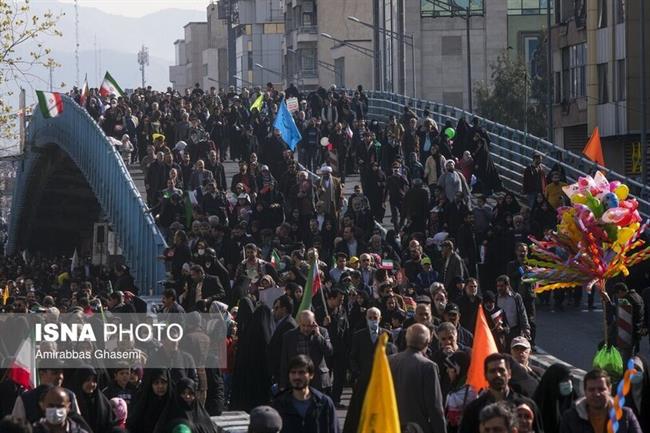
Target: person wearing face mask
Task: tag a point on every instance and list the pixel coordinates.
(417, 384)
(58, 416)
(554, 396)
(361, 357)
(639, 397)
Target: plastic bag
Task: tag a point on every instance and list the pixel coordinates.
(609, 359)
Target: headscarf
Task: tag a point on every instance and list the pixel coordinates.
(95, 408)
(547, 396)
(147, 406)
(178, 409)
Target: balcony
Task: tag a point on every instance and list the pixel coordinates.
(306, 34)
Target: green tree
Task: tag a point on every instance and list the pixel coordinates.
(509, 98)
(22, 49)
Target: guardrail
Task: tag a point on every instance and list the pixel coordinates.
(76, 133)
(512, 150)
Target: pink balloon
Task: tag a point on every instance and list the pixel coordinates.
(613, 185)
(615, 215)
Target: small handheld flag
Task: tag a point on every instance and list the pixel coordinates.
(50, 103)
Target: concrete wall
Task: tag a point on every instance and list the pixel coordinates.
(442, 75)
(196, 41)
(217, 54)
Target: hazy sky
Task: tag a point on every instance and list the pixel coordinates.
(137, 8)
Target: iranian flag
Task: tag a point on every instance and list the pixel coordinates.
(23, 369)
(311, 287)
(110, 87)
(84, 92)
(50, 103)
(275, 258)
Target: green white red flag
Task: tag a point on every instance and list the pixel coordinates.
(110, 87)
(23, 369)
(275, 258)
(312, 287)
(50, 103)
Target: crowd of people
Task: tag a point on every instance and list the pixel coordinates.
(247, 247)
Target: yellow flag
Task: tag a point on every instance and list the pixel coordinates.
(258, 103)
(5, 295)
(379, 413)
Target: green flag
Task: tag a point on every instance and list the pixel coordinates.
(258, 103)
(311, 287)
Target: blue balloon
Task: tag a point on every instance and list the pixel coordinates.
(610, 201)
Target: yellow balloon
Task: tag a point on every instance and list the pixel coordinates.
(624, 235)
(579, 198)
(622, 191)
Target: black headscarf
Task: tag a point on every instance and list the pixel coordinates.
(177, 409)
(547, 396)
(95, 408)
(147, 406)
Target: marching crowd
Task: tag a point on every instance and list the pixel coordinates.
(252, 247)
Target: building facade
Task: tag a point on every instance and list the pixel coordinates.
(312, 60)
(439, 29)
(596, 65)
(259, 35)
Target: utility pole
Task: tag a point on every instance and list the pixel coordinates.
(549, 73)
(76, 35)
(379, 85)
(232, 55)
(642, 78)
(143, 60)
(469, 60)
(401, 48)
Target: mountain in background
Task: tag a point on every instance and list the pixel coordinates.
(118, 39)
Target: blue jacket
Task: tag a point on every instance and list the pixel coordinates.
(320, 417)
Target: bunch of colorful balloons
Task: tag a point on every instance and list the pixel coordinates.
(597, 237)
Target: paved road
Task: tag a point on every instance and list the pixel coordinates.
(571, 335)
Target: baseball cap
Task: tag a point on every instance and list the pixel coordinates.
(353, 260)
(264, 419)
(426, 261)
(520, 341)
(451, 308)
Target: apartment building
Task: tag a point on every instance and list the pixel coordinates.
(596, 65)
(311, 59)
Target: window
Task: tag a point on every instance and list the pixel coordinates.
(273, 28)
(308, 60)
(603, 94)
(566, 67)
(577, 71)
(205, 69)
(443, 8)
(339, 68)
(566, 9)
(620, 79)
(452, 45)
(602, 14)
(527, 7)
(531, 43)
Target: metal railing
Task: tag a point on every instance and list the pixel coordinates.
(77, 134)
(512, 150)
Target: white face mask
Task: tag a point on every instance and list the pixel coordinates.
(201, 251)
(55, 415)
(566, 388)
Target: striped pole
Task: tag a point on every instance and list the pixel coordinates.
(624, 327)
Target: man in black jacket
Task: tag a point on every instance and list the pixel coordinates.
(303, 408)
(282, 309)
(498, 374)
(203, 287)
(308, 339)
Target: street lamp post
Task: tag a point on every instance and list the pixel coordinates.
(358, 48)
(642, 124)
(453, 6)
(402, 37)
